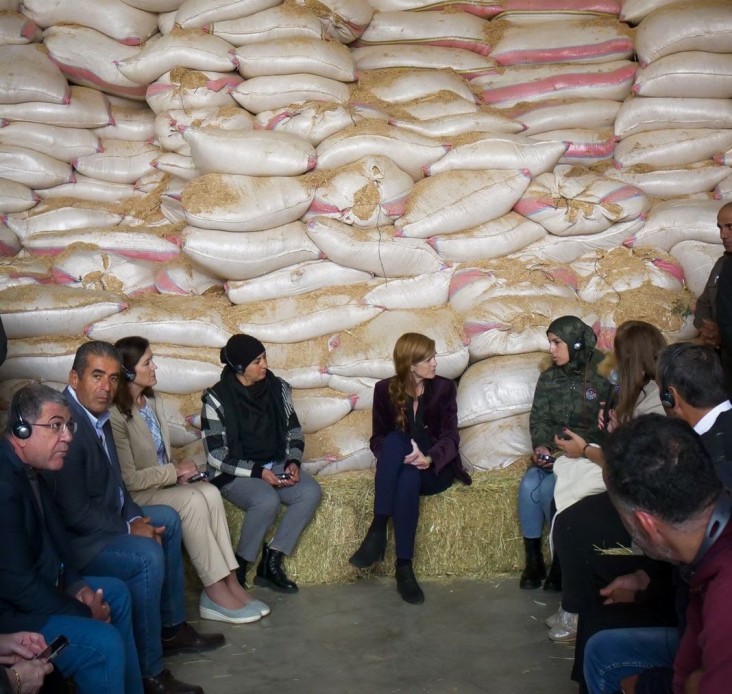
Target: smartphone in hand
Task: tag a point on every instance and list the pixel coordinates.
(53, 649)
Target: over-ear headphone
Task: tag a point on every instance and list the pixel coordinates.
(577, 345)
(238, 368)
(666, 396)
(21, 429)
(129, 374)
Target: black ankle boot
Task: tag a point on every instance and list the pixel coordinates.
(371, 550)
(535, 571)
(271, 574)
(241, 572)
(554, 579)
(407, 584)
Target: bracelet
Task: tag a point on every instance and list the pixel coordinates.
(584, 450)
(18, 684)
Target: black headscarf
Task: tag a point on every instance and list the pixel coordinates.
(579, 338)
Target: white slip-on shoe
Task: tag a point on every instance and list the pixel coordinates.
(208, 609)
(261, 606)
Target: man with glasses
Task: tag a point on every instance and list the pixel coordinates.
(40, 591)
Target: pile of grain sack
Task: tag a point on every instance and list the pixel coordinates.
(326, 175)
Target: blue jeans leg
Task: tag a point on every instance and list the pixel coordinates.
(172, 604)
(140, 563)
(614, 654)
(535, 495)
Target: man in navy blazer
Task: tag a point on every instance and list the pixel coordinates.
(40, 590)
(111, 535)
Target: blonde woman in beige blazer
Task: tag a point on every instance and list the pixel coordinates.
(142, 440)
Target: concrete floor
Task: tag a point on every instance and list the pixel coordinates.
(468, 637)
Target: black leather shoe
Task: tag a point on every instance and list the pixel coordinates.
(241, 572)
(535, 571)
(371, 550)
(270, 573)
(407, 585)
(165, 683)
(188, 640)
(553, 581)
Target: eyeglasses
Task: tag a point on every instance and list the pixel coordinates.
(58, 427)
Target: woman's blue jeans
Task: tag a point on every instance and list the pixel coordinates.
(535, 496)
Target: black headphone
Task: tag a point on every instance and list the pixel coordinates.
(238, 368)
(129, 374)
(666, 396)
(21, 429)
(577, 345)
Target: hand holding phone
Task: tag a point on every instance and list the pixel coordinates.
(283, 476)
(198, 477)
(53, 649)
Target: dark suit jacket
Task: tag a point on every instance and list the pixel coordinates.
(440, 419)
(33, 553)
(89, 490)
(718, 442)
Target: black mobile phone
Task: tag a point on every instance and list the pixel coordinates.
(53, 649)
(283, 476)
(198, 477)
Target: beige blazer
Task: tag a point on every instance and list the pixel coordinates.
(138, 459)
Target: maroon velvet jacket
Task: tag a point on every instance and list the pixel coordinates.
(440, 418)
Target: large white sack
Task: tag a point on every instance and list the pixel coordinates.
(32, 168)
(248, 152)
(450, 29)
(367, 350)
(371, 192)
(181, 279)
(723, 189)
(641, 114)
(169, 125)
(480, 8)
(586, 146)
(342, 20)
(296, 55)
(89, 58)
(86, 108)
(64, 144)
(459, 124)
(16, 197)
(24, 267)
(247, 255)
(685, 75)
(697, 258)
(278, 91)
(493, 239)
(497, 444)
(160, 324)
(42, 219)
(409, 151)
(459, 200)
(565, 249)
(400, 86)
(498, 387)
(155, 5)
(673, 221)
(300, 318)
(699, 25)
(294, 280)
(182, 375)
(372, 250)
(670, 183)
(438, 106)
(314, 121)
(180, 167)
(28, 74)
(341, 447)
(317, 411)
(198, 13)
(542, 116)
(633, 11)
(38, 362)
(9, 247)
(280, 22)
(184, 89)
(129, 242)
(360, 387)
(672, 147)
(465, 63)
(185, 48)
(89, 269)
(16, 28)
(423, 291)
(568, 204)
(114, 18)
(40, 310)
(301, 365)
(557, 9)
(119, 161)
(92, 189)
(579, 41)
(134, 123)
(612, 80)
(230, 202)
(501, 152)
(180, 413)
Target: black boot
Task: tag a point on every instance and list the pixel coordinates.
(535, 571)
(554, 579)
(407, 584)
(271, 574)
(371, 550)
(241, 572)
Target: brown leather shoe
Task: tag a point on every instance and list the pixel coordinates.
(188, 640)
(165, 683)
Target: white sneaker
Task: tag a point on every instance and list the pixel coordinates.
(566, 629)
(553, 620)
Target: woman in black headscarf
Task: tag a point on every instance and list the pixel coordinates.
(254, 446)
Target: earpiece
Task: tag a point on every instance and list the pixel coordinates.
(666, 396)
(238, 368)
(21, 429)
(129, 374)
(577, 345)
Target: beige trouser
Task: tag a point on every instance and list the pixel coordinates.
(203, 521)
